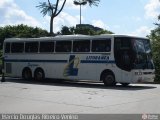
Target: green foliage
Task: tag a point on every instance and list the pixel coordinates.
(46, 8)
(104, 32)
(155, 41)
(66, 30)
(80, 2)
(82, 30)
(93, 2)
(20, 31)
(84, 2)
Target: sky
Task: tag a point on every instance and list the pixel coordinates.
(134, 17)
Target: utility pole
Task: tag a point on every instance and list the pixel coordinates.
(3, 76)
(80, 3)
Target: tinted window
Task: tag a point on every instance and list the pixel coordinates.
(123, 53)
(147, 46)
(123, 43)
(17, 47)
(81, 46)
(139, 46)
(31, 47)
(7, 47)
(63, 46)
(101, 45)
(46, 46)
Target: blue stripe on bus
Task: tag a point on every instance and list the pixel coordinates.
(57, 61)
(22, 60)
(96, 61)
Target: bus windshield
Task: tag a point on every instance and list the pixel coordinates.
(142, 54)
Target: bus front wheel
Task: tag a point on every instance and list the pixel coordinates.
(108, 79)
(27, 74)
(39, 74)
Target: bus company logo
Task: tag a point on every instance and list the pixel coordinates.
(97, 58)
(71, 69)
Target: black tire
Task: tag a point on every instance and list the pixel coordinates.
(124, 84)
(27, 74)
(39, 75)
(108, 79)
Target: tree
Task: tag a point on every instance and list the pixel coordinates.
(52, 10)
(82, 30)
(66, 30)
(155, 41)
(158, 24)
(84, 2)
(20, 31)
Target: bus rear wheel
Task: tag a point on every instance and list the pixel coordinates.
(39, 74)
(108, 79)
(27, 74)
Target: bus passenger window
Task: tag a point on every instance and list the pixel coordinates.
(81, 46)
(31, 47)
(7, 47)
(63, 46)
(17, 47)
(101, 45)
(46, 46)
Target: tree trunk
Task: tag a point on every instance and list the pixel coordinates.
(51, 26)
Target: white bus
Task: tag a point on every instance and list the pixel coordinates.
(108, 58)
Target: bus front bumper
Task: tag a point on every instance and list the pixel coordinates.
(143, 76)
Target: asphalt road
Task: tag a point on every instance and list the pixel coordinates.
(19, 96)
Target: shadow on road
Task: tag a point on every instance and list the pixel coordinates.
(81, 84)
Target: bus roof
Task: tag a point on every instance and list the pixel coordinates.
(120, 35)
(69, 37)
(58, 37)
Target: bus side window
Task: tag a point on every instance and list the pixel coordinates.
(63, 46)
(31, 47)
(81, 46)
(17, 47)
(7, 47)
(46, 46)
(101, 45)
